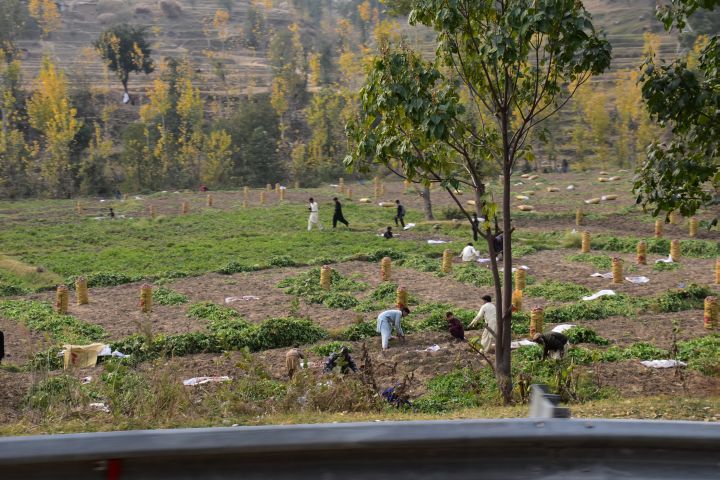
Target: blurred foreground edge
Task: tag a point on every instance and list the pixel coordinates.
(542, 447)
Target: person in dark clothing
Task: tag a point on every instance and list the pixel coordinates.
(565, 165)
(388, 233)
(340, 359)
(475, 226)
(393, 397)
(2, 346)
(498, 243)
(338, 215)
(551, 342)
(118, 195)
(400, 214)
(112, 213)
(455, 327)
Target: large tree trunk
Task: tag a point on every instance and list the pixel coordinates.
(427, 203)
(504, 309)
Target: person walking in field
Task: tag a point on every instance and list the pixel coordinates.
(389, 320)
(399, 214)
(293, 359)
(314, 218)
(338, 215)
(488, 313)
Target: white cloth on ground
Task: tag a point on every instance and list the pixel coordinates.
(663, 363)
(204, 380)
(665, 260)
(245, 298)
(606, 276)
(436, 242)
(563, 327)
(409, 226)
(639, 279)
(601, 293)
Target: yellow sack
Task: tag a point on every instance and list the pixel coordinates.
(82, 356)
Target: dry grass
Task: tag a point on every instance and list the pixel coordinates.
(646, 408)
(28, 274)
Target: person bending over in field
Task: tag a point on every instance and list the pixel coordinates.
(340, 359)
(388, 233)
(293, 359)
(455, 327)
(469, 253)
(552, 342)
(388, 320)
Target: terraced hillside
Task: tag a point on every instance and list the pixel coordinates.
(192, 35)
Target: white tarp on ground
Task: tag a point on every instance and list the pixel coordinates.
(601, 293)
(563, 327)
(409, 226)
(639, 279)
(431, 349)
(665, 260)
(522, 267)
(204, 380)
(606, 276)
(521, 343)
(435, 242)
(663, 363)
(245, 298)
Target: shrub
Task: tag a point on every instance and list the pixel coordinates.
(420, 263)
(343, 301)
(702, 353)
(601, 262)
(236, 267)
(307, 286)
(377, 255)
(41, 317)
(457, 389)
(571, 240)
(7, 290)
(661, 246)
(170, 8)
(665, 267)
(326, 349)
(165, 296)
(644, 351)
(603, 307)
(283, 332)
(359, 331)
(557, 291)
(385, 292)
(452, 213)
(282, 261)
(106, 279)
(585, 335)
(212, 311)
(59, 390)
(520, 323)
(693, 296)
(474, 275)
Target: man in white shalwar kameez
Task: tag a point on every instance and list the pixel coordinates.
(488, 313)
(314, 218)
